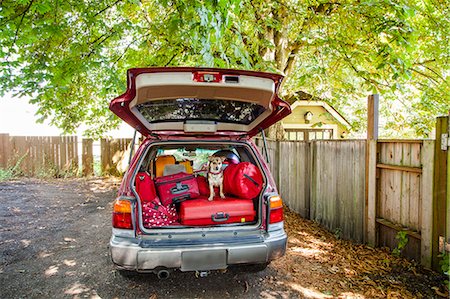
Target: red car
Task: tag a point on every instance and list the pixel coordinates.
(162, 218)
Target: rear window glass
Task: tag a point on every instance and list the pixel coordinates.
(200, 109)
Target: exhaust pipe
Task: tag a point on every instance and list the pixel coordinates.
(163, 274)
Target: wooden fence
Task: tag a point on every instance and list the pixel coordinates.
(323, 181)
(404, 195)
(55, 156)
(114, 155)
(363, 190)
(369, 191)
(40, 155)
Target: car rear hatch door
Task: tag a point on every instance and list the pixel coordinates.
(200, 101)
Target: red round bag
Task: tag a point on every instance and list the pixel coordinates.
(243, 180)
(203, 186)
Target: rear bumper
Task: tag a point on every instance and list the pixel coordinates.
(127, 254)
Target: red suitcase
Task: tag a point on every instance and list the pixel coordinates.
(176, 188)
(200, 211)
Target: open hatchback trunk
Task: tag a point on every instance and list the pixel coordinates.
(173, 190)
(200, 101)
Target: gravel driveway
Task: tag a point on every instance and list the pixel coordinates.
(54, 244)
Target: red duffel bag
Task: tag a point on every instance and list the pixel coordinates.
(203, 186)
(146, 188)
(176, 188)
(243, 180)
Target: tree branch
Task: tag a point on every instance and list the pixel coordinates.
(358, 72)
(291, 61)
(106, 8)
(425, 75)
(436, 73)
(20, 24)
(125, 51)
(99, 43)
(171, 58)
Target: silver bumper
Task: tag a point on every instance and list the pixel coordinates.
(127, 254)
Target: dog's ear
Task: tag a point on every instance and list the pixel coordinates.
(223, 158)
(211, 158)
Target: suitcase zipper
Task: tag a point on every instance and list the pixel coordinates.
(175, 180)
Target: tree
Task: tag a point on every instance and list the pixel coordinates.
(71, 58)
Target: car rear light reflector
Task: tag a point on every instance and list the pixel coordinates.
(276, 202)
(209, 77)
(122, 214)
(276, 215)
(276, 209)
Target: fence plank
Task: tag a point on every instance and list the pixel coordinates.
(427, 203)
(4, 150)
(87, 159)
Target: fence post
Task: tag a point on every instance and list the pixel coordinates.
(371, 169)
(87, 157)
(104, 156)
(440, 206)
(4, 150)
(426, 230)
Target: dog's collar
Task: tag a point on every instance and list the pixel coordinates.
(212, 172)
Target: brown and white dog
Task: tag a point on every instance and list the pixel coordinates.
(215, 175)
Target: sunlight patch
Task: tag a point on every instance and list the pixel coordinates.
(309, 293)
(52, 270)
(70, 263)
(350, 295)
(45, 254)
(25, 243)
(76, 289)
(306, 252)
(80, 289)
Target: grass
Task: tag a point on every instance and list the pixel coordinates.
(12, 171)
(6, 174)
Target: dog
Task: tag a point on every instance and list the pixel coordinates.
(215, 175)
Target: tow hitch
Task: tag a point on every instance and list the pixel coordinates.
(201, 274)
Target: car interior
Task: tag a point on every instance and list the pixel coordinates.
(189, 162)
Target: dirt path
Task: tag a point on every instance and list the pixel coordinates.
(54, 237)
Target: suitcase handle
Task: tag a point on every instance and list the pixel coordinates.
(220, 217)
(181, 198)
(179, 189)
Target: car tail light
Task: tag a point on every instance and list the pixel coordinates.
(122, 214)
(209, 77)
(276, 209)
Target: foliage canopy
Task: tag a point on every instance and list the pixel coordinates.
(70, 57)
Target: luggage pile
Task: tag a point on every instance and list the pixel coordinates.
(182, 198)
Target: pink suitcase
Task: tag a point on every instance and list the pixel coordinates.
(176, 188)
